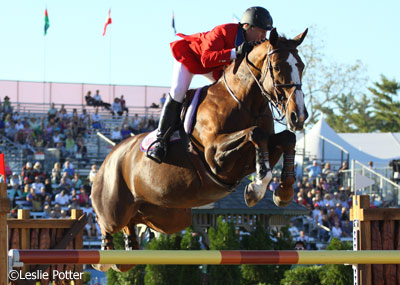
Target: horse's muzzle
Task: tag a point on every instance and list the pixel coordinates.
(296, 122)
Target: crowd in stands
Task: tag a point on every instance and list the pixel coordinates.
(323, 192)
(53, 194)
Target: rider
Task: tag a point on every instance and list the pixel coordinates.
(206, 53)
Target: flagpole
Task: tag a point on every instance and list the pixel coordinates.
(109, 66)
(44, 70)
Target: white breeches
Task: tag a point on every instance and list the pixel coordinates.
(181, 78)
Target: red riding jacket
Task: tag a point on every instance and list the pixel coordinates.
(210, 51)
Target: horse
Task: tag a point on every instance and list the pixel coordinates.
(233, 136)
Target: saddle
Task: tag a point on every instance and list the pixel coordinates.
(183, 133)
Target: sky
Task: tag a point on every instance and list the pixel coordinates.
(135, 50)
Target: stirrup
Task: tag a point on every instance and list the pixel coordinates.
(149, 150)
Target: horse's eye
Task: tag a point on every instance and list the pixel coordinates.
(276, 68)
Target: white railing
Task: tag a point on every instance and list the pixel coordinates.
(385, 188)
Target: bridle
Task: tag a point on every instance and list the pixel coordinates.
(267, 95)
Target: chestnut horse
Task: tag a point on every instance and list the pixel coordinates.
(233, 136)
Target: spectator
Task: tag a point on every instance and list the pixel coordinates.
(97, 99)
(81, 150)
(92, 173)
(56, 173)
(15, 180)
(340, 174)
(123, 105)
(83, 197)
(68, 169)
(47, 211)
(116, 107)
(62, 198)
(27, 172)
(300, 245)
(37, 170)
(19, 125)
(91, 229)
(11, 131)
(125, 132)
(347, 229)
(37, 185)
(96, 119)
(294, 231)
(57, 211)
(336, 230)
(7, 108)
(116, 135)
(274, 184)
(313, 170)
(163, 99)
(151, 124)
(52, 113)
(64, 185)
(371, 165)
(316, 214)
(89, 99)
(16, 116)
(48, 187)
(70, 145)
(303, 237)
(76, 181)
(134, 124)
(87, 209)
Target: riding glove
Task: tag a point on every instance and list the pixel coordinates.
(244, 48)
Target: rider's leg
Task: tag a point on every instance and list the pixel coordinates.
(181, 78)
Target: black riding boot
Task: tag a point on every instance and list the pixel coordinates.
(168, 122)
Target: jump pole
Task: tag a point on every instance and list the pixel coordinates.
(185, 257)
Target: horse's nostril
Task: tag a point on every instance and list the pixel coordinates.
(293, 117)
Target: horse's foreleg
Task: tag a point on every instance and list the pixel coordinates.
(228, 150)
(285, 143)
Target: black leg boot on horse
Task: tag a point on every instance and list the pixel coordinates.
(169, 121)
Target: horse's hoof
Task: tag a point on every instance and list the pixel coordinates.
(122, 267)
(283, 197)
(101, 267)
(253, 193)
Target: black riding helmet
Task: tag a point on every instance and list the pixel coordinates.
(257, 16)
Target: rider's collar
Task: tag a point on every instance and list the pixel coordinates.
(239, 36)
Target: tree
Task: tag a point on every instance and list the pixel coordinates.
(386, 107)
(190, 274)
(134, 276)
(163, 274)
(339, 274)
(259, 239)
(325, 81)
(224, 238)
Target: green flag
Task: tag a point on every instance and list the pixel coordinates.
(46, 22)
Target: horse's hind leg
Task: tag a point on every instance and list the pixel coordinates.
(131, 243)
(284, 142)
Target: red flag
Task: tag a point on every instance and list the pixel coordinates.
(2, 168)
(108, 21)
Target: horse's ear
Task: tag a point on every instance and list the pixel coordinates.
(273, 36)
(299, 38)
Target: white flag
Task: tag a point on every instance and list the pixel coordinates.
(362, 181)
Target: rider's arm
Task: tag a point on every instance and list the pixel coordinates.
(217, 46)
